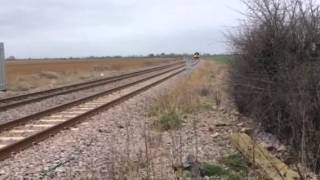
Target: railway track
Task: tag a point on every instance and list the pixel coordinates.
(24, 132)
(12, 102)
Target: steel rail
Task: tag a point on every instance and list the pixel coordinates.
(15, 101)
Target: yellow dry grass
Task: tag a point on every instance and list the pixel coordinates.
(31, 74)
(201, 89)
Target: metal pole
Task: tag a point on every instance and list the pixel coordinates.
(2, 68)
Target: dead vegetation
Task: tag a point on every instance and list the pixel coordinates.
(48, 79)
(189, 95)
(28, 74)
(275, 79)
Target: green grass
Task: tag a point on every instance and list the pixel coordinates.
(232, 167)
(236, 163)
(169, 121)
(222, 58)
(214, 171)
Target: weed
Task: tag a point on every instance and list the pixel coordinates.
(208, 169)
(214, 171)
(236, 163)
(169, 121)
(232, 167)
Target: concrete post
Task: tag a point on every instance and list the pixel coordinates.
(2, 68)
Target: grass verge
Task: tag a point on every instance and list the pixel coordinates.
(222, 58)
(201, 90)
(192, 93)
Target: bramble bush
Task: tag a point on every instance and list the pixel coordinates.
(275, 79)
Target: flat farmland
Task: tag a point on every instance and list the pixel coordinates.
(24, 75)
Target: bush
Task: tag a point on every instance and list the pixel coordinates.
(214, 171)
(169, 121)
(275, 77)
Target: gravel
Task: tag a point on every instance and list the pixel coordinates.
(119, 143)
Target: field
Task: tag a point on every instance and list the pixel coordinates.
(222, 58)
(23, 75)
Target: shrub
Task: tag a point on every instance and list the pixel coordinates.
(236, 163)
(217, 172)
(275, 77)
(169, 121)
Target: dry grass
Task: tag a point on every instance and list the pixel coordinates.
(192, 93)
(48, 79)
(30, 74)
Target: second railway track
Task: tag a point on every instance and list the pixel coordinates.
(12, 102)
(22, 133)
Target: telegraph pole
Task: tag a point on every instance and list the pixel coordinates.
(2, 68)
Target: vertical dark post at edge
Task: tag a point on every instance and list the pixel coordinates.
(2, 68)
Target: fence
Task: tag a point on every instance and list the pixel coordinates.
(2, 68)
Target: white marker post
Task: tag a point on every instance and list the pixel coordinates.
(2, 68)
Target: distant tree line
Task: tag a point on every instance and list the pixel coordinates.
(151, 55)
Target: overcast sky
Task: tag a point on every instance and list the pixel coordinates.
(63, 28)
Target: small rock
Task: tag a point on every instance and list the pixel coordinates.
(103, 131)
(248, 131)
(236, 113)
(211, 129)
(120, 126)
(60, 169)
(269, 147)
(215, 135)
(189, 161)
(2, 172)
(240, 124)
(281, 148)
(222, 124)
